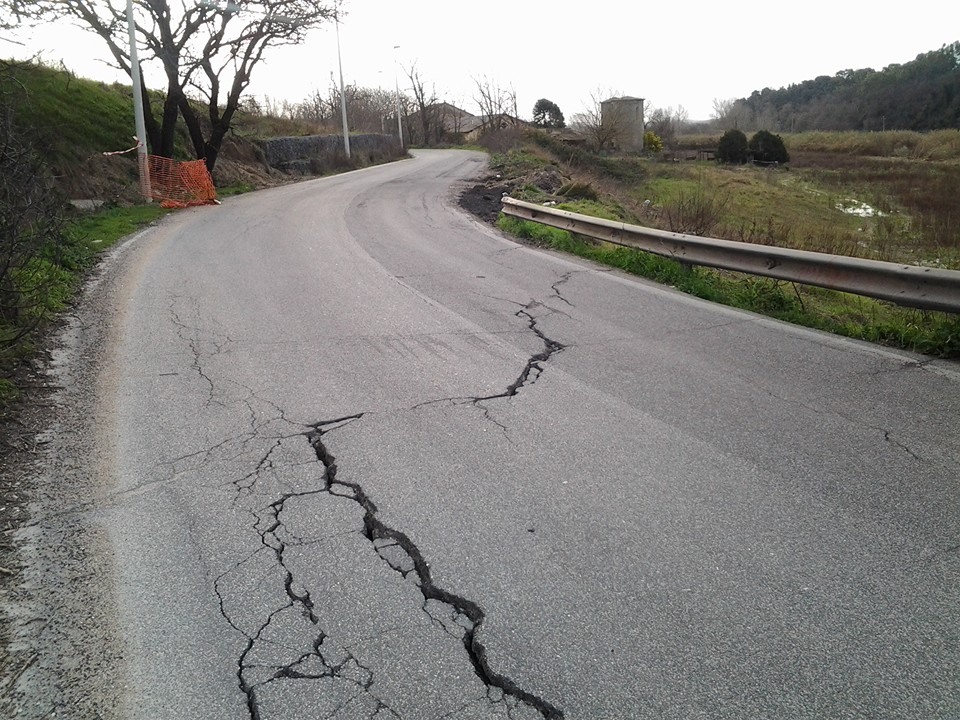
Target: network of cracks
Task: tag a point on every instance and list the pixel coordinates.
(294, 645)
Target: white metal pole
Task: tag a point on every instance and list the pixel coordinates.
(138, 106)
(396, 85)
(343, 97)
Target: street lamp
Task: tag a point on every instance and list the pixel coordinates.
(138, 106)
(396, 85)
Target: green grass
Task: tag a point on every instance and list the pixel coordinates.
(238, 189)
(93, 233)
(803, 207)
(57, 275)
(72, 117)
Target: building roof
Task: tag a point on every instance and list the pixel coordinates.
(457, 120)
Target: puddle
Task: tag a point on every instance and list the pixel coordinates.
(860, 209)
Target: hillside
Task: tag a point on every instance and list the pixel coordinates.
(74, 121)
(920, 95)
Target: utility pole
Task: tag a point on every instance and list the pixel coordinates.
(138, 107)
(396, 85)
(343, 97)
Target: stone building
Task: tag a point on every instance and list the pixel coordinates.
(623, 117)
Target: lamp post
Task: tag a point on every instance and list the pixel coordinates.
(343, 97)
(396, 85)
(138, 106)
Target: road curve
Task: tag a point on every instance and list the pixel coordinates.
(355, 455)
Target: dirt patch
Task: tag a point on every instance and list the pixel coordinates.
(484, 200)
(241, 162)
(105, 178)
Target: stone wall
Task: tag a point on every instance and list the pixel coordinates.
(305, 154)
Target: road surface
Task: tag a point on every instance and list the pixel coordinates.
(347, 453)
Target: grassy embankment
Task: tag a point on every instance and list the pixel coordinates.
(886, 196)
(68, 122)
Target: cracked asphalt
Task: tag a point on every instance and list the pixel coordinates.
(338, 450)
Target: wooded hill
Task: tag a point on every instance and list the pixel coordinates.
(920, 95)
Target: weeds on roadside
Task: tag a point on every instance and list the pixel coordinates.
(54, 276)
(695, 213)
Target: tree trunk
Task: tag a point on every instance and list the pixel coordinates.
(192, 122)
(214, 144)
(150, 122)
(169, 127)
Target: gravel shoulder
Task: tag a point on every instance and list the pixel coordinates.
(56, 605)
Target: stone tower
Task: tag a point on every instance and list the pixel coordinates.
(624, 116)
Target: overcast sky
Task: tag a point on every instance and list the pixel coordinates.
(672, 54)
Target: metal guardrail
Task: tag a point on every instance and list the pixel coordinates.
(909, 285)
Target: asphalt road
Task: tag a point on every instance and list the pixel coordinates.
(354, 455)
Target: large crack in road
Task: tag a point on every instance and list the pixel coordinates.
(534, 365)
(325, 659)
(402, 554)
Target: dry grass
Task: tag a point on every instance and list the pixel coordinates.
(885, 196)
(918, 215)
(936, 145)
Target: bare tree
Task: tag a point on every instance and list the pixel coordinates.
(208, 47)
(665, 123)
(425, 101)
(722, 108)
(497, 105)
(9, 16)
(370, 109)
(317, 108)
(602, 128)
(730, 114)
(367, 108)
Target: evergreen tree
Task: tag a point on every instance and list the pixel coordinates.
(768, 148)
(732, 147)
(546, 114)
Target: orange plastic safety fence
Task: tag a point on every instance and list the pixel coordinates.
(179, 184)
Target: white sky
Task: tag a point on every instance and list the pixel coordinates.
(671, 55)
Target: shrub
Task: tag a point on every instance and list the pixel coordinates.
(31, 239)
(652, 142)
(768, 148)
(732, 147)
(695, 213)
(578, 190)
